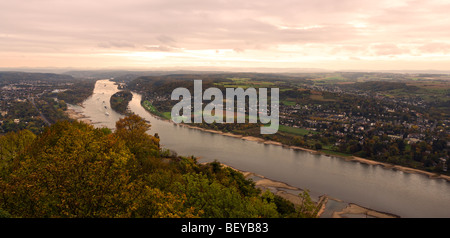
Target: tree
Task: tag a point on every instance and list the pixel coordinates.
(307, 208)
(318, 146)
(215, 200)
(71, 170)
(74, 170)
(133, 130)
(12, 144)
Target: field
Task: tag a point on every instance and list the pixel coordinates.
(428, 90)
(167, 115)
(295, 131)
(317, 97)
(149, 107)
(245, 83)
(288, 103)
(431, 84)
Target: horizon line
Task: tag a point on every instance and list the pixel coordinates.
(217, 69)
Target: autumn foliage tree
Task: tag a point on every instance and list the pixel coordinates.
(75, 170)
(133, 130)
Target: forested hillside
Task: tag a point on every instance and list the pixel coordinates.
(75, 170)
(13, 77)
(78, 92)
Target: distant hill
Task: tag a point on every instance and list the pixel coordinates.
(25, 76)
(185, 80)
(380, 86)
(127, 75)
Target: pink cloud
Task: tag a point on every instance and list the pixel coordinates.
(348, 28)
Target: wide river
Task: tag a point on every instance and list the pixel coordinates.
(371, 186)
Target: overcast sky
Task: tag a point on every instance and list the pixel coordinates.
(144, 34)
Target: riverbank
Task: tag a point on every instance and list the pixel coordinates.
(74, 115)
(400, 168)
(350, 158)
(328, 207)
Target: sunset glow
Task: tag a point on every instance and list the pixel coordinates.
(337, 35)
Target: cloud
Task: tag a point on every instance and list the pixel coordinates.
(435, 47)
(389, 49)
(166, 40)
(159, 48)
(116, 44)
(249, 29)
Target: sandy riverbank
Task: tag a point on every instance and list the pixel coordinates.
(355, 211)
(348, 158)
(290, 193)
(249, 138)
(72, 114)
(352, 209)
(400, 168)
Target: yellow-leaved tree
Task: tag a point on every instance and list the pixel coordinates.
(75, 170)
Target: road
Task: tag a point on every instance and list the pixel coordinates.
(40, 113)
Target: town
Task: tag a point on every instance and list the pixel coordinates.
(32, 100)
(399, 121)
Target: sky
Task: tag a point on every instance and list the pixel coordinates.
(225, 34)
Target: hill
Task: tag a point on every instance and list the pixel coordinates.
(11, 77)
(75, 170)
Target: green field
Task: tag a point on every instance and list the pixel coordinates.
(295, 131)
(167, 115)
(245, 83)
(288, 103)
(321, 98)
(149, 107)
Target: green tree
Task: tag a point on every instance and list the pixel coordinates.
(307, 208)
(218, 201)
(318, 146)
(133, 130)
(74, 170)
(71, 170)
(12, 144)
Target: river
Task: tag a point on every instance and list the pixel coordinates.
(372, 186)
